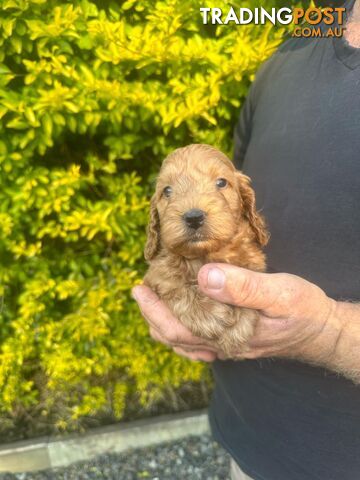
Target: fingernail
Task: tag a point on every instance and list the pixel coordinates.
(215, 279)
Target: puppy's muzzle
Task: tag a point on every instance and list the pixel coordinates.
(194, 218)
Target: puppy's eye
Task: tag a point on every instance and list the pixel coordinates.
(167, 191)
(221, 182)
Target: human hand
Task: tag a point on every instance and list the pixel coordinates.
(165, 328)
(297, 319)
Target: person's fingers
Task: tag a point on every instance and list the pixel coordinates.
(152, 308)
(184, 351)
(155, 335)
(197, 355)
(210, 350)
(160, 318)
(274, 294)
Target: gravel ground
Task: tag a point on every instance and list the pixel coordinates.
(193, 458)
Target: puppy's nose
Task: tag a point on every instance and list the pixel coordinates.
(194, 218)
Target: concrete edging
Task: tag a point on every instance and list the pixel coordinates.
(44, 453)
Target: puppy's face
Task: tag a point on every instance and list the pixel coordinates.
(198, 204)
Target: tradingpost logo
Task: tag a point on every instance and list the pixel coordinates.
(306, 21)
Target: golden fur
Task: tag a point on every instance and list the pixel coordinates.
(233, 232)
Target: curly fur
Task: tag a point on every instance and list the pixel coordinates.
(233, 232)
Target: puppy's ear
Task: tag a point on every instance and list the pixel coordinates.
(153, 231)
(256, 221)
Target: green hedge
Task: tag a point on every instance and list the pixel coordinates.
(92, 97)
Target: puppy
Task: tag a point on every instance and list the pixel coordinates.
(203, 210)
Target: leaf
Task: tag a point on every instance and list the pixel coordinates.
(17, 123)
(93, 96)
(47, 124)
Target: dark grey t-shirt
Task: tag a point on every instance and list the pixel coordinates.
(298, 138)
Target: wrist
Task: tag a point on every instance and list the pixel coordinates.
(337, 345)
(344, 357)
(322, 348)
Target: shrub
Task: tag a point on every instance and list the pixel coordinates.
(92, 97)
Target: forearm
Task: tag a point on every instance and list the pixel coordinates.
(338, 346)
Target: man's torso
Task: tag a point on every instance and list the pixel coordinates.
(282, 420)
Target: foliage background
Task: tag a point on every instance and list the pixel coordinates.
(93, 95)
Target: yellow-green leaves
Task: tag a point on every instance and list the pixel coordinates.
(93, 95)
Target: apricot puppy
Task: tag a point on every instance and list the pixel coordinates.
(203, 210)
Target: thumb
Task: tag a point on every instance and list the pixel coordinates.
(274, 294)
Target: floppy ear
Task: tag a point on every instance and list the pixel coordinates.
(153, 232)
(256, 221)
